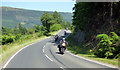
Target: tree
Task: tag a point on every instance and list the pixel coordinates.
(37, 28)
(6, 31)
(46, 20)
(57, 17)
(81, 14)
(43, 30)
(49, 20)
(68, 25)
(23, 30)
(63, 24)
(30, 31)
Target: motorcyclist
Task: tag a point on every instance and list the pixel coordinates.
(61, 44)
(56, 37)
(63, 41)
(65, 32)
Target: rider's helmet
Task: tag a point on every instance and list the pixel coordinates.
(56, 35)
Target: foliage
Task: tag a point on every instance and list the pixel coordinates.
(7, 39)
(19, 33)
(95, 19)
(63, 25)
(50, 21)
(30, 31)
(22, 30)
(18, 36)
(37, 28)
(57, 17)
(68, 25)
(47, 20)
(95, 15)
(107, 47)
(55, 27)
(115, 37)
(81, 14)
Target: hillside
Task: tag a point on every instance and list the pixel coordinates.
(28, 18)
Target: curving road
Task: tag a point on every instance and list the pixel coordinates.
(45, 54)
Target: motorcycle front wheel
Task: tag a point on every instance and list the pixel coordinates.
(62, 50)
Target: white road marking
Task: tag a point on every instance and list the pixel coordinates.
(49, 58)
(62, 68)
(43, 50)
(19, 51)
(91, 60)
(15, 55)
(44, 47)
(47, 55)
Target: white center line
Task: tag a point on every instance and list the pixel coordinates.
(43, 47)
(43, 50)
(61, 67)
(48, 57)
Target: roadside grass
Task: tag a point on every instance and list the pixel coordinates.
(81, 50)
(6, 51)
(108, 61)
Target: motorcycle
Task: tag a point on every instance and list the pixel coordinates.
(62, 48)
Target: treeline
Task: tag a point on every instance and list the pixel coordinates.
(100, 23)
(50, 23)
(97, 17)
(20, 33)
(54, 21)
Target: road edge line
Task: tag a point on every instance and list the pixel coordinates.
(5, 65)
(87, 59)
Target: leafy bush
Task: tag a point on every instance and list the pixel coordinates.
(40, 34)
(55, 27)
(17, 36)
(115, 37)
(107, 47)
(7, 39)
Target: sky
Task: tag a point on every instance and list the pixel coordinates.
(42, 5)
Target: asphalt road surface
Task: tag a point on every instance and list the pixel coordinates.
(45, 55)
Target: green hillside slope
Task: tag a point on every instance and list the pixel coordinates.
(28, 18)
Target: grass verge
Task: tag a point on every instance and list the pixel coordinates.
(80, 50)
(14, 47)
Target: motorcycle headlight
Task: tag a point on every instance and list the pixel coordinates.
(63, 44)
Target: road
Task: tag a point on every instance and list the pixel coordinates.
(44, 54)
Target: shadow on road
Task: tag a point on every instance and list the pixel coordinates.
(59, 53)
